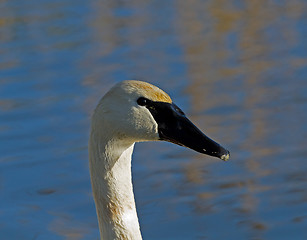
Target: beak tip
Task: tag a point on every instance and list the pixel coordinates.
(225, 156)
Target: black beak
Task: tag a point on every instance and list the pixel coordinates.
(175, 127)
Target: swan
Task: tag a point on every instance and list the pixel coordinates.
(133, 111)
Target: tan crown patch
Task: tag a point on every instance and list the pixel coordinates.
(152, 92)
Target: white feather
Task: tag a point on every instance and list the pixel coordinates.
(117, 123)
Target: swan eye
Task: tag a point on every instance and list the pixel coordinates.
(142, 101)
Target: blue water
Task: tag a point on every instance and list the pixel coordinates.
(237, 68)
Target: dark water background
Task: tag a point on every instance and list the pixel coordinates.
(237, 68)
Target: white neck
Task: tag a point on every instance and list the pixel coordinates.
(110, 168)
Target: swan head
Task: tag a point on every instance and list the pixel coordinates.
(138, 111)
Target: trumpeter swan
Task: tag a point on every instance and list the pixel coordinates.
(133, 111)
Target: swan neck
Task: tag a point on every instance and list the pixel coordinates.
(110, 168)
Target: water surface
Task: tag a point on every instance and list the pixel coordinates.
(237, 68)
